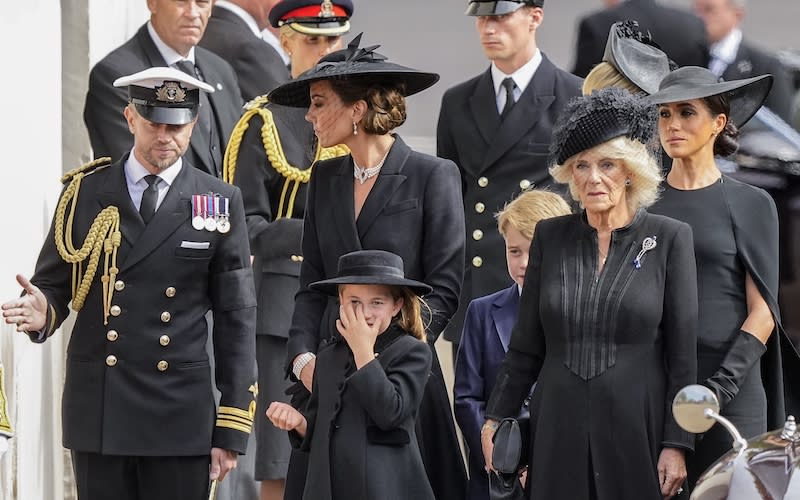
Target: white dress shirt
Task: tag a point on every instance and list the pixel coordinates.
(723, 53)
(135, 174)
(168, 53)
(522, 77)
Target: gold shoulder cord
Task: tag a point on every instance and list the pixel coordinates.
(103, 236)
(270, 137)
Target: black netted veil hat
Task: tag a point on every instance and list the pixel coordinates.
(352, 62)
(606, 114)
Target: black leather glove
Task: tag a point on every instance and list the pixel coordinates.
(742, 355)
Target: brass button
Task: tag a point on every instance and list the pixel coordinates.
(480, 207)
(477, 261)
(112, 335)
(295, 258)
(111, 360)
(119, 285)
(116, 310)
(477, 234)
(164, 340)
(162, 366)
(165, 317)
(524, 184)
(483, 182)
(170, 292)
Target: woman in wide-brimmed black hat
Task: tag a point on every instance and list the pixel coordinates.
(383, 195)
(735, 230)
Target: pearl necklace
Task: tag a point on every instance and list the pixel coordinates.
(362, 174)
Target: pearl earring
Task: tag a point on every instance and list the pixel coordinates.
(355, 128)
(627, 182)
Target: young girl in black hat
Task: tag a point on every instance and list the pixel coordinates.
(368, 385)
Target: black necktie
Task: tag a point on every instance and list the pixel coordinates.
(204, 113)
(149, 198)
(509, 85)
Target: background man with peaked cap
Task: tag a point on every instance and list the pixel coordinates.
(138, 410)
(234, 32)
(169, 38)
(499, 157)
(680, 34)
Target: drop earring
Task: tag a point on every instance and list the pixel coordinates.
(355, 128)
(627, 182)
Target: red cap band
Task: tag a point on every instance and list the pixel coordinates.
(313, 11)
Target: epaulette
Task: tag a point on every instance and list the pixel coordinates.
(256, 102)
(87, 168)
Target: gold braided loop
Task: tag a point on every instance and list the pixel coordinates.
(103, 236)
(270, 138)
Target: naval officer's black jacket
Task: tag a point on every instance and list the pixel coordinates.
(141, 385)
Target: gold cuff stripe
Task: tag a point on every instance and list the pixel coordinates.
(234, 426)
(237, 420)
(52, 328)
(237, 412)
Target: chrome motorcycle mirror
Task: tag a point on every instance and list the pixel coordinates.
(696, 409)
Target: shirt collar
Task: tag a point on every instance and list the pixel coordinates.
(246, 17)
(522, 77)
(135, 171)
(168, 53)
(273, 40)
(726, 49)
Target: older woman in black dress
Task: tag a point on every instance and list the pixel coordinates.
(382, 196)
(607, 319)
(736, 242)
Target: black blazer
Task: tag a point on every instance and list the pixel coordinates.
(679, 33)
(257, 64)
(751, 61)
(497, 160)
(166, 284)
(102, 113)
(413, 210)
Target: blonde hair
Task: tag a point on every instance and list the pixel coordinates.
(410, 316)
(642, 169)
(604, 75)
(527, 209)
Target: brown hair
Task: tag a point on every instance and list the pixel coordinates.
(726, 142)
(410, 316)
(524, 211)
(386, 105)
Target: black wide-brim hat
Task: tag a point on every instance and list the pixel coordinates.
(635, 56)
(482, 8)
(693, 82)
(369, 267)
(352, 63)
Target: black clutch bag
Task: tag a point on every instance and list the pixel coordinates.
(510, 455)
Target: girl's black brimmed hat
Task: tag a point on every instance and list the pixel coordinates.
(369, 267)
(352, 63)
(693, 82)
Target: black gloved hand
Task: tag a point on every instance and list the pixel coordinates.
(745, 350)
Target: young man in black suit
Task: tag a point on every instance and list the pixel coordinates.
(733, 58)
(498, 134)
(138, 411)
(680, 34)
(234, 33)
(169, 38)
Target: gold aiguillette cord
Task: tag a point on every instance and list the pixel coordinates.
(212, 492)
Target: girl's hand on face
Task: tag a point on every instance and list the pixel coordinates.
(356, 332)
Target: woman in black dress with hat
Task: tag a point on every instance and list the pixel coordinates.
(735, 228)
(382, 196)
(271, 157)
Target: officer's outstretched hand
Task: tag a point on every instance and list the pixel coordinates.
(286, 417)
(222, 462)
(28, 312)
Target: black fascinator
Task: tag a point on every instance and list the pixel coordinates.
(588, 121)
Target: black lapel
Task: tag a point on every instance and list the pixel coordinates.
(525, 114)
(174, 210)
(483, 105)
(389, 179)
(340, 192)
(149, 48)
(114, 192)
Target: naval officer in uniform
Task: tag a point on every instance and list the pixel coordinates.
(142, 249)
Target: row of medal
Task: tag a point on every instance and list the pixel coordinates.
(211, 212)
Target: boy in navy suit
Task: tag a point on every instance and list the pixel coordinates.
(488, 324)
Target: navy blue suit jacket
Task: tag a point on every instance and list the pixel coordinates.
(484, 342)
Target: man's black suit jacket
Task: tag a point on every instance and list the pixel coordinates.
(258, 66)
(102, 113)
(751, 61)
(497, 160)
(681, 34)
